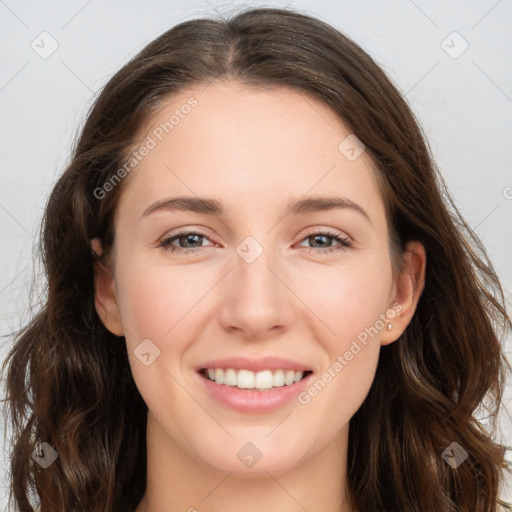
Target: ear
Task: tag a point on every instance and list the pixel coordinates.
(104, 292)
(408, 288)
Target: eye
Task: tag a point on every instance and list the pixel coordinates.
(190, 242)
(323, 237)
(189, 239)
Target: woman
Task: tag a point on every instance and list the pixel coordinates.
(199, 351)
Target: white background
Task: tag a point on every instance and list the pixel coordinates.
(464, 105)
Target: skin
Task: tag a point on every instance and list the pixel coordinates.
(253, 150)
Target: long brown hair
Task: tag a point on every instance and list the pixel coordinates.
(69, 382)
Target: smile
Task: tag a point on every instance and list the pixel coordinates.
(247, 379)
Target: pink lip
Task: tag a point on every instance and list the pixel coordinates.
(252, 400)
(255, 365)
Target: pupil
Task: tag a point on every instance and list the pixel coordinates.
(316, 237)
(188, 239)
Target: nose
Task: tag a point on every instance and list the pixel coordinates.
(257, 300)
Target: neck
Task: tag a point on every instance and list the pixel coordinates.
(176, 481)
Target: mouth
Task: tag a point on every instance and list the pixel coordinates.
(264, 380)
(253, 385)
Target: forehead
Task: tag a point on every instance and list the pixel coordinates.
(248, 146)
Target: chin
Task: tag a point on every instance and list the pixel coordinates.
(253, 459)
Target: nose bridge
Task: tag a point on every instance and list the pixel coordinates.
(256, 301)
(253, 272)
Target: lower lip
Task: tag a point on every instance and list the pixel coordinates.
(252, 400)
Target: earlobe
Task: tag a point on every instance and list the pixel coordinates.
(409, 287)
(104, 292)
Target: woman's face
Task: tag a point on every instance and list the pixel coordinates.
(258, 284)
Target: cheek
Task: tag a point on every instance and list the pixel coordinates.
(155, 301)
(347, 300)
(350, 303)
(164, 305)
(158, 305)
(335, 395)
(351, 357)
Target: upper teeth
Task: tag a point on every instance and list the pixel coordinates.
(245, 379)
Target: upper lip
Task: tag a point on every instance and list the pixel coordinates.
(255, 364)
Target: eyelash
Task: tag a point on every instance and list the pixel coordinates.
(344, 243)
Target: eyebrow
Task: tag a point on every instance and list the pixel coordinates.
(295, 207)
